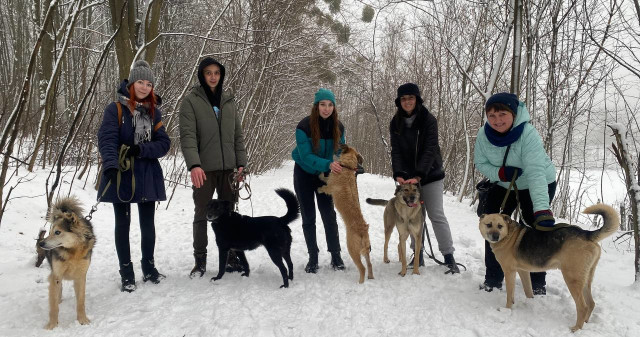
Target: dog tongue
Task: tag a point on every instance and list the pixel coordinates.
(412, 205)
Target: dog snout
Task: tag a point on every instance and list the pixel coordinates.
(494, 236)
(41, 244)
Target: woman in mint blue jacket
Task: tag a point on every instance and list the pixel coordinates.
(317, 139)
(508, 128)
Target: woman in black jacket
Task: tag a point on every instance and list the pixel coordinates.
(416, 159)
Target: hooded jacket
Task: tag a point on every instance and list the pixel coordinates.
(415, 151)
(527, 153)
(149, 179)
(213, 143)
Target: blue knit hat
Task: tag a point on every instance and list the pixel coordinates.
(323, 94)
(505, 98)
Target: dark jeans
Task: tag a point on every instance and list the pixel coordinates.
(306, 187)
(146, 213)
(216, 181)
(494, 274)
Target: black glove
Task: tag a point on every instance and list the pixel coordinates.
(111, 174)
(133, 151)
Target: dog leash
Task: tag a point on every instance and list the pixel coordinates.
(432, 255)
(239, 181)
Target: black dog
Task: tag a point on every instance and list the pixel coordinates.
(241, 232)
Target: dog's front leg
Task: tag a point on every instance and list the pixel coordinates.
(222, 262)
(55, 292)
(79, 287)
(525, 277)
(510, 280)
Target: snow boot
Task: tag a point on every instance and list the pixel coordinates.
(336, 261)
(201, 265)
(149, 272)
(233, 263)
(127, 277)
(451, 264)
(312, 265)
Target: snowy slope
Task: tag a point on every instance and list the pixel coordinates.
(330, 303)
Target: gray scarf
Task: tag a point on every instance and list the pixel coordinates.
(141, 121)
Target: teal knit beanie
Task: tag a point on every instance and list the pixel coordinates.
(323, 94)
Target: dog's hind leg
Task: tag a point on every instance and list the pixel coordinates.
(276, 257)
(587, 289)
(525, 277)
(55, 292)
(286, 254)
(79, 288)
(576, 283)
(223, 254)
(354, 252)
(368, 260)
(388, 230)
(244, 262)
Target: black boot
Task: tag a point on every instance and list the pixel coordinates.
(336, 261)
(420, 263)
(201, 265)
(128, 278)
(451, 264)
(233, 263)
(150, 273)
(312, 265)
(488, 286)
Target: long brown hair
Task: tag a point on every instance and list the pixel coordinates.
(150, 100)
(314, 124)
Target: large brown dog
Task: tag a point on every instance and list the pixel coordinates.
(403, 212)
(571, 249)
(342, 187)
(68, 250)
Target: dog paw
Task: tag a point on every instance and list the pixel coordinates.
(215, 278)
(284, 286)
(51, 325)
(246, 274)
(402, 273)
(84, 320)
(416, 272)
(387, 260)
(575, 328)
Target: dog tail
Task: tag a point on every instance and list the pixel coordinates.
(611, 221)
(65, 205)
(292, 205)
(377, 202)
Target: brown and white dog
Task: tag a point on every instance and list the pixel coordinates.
(571, 249)
(342, 187)
(68, 251)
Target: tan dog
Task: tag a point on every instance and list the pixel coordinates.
(403, 212)
(342, 187)
(571, 249)
(68, 250)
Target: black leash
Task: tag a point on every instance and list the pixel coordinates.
(432, 255)
(239, 181)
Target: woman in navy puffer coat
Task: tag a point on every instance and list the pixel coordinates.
(140, 128)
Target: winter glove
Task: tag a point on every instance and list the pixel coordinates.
(133, 151)
(111, 174)
(544, 220)
(506, 172)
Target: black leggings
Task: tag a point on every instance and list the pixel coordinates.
(306, 187)
(494, 274)
(146, 213)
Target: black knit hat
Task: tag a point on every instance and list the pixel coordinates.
(508, 99)
(214, 97)
(408, 89)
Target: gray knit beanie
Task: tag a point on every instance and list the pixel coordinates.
(141, 71)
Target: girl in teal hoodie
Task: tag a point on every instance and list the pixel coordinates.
(317, 139)
(508, 129)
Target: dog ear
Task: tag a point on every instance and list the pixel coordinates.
(482, 217)
(344, 147)
(398, 187)
(360, 159)
(507, 219)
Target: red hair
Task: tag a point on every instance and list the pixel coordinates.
(150, 99)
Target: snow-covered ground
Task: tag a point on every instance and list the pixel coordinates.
(330, 303)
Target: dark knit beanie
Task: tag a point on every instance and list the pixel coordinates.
(508, 99)
(141, 71)
(409, 89)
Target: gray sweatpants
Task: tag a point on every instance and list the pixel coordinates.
(432, 195)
